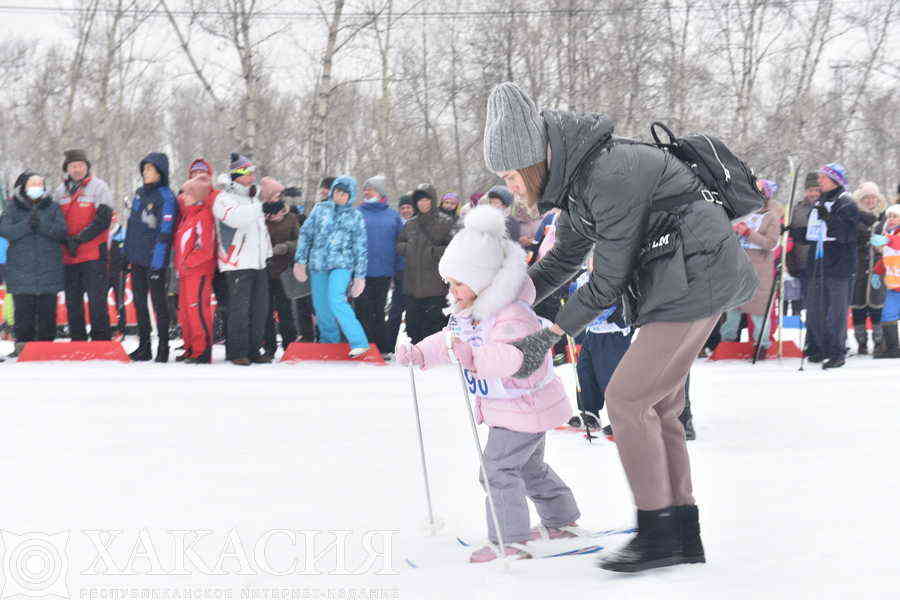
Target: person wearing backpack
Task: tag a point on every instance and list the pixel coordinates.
(677, 269)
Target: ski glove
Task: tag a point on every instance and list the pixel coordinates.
(279, 249)
(300, 272)
(878, 240)
(875, 280)
(407, 354)
(357, 287)
(534, 349)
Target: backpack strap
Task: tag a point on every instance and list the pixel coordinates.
(672, 202)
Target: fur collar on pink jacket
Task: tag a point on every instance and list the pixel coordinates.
(535, 404)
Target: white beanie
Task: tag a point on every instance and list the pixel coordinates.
(483, 257)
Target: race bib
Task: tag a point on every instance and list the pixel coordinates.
(817, 229)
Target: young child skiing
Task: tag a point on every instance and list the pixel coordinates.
(491, 296)
(603, 344)
(889, 268)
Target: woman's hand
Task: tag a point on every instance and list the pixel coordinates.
(300, 272)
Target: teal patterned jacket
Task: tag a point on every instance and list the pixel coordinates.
(334, 236)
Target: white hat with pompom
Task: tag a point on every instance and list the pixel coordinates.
(482, 254)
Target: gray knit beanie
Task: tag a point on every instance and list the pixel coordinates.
(515, 136)
(377, 183)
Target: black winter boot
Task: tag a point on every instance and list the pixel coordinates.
(142, 353)
(689, 529)
(657, 544)
(162, 352)
(203, 359)
(862, 338)
(891, 341)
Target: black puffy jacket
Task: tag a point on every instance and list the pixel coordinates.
(681, 265)
(34, 260)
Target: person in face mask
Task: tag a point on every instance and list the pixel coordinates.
(284, 227)
(383, 224)
(36, 228)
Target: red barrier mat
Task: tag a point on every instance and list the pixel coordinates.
(300, 351)
(73, 351)
(744, 351)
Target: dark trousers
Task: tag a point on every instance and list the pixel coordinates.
(424, 316)
(280, 303)
(248, 303)
(395, 312)
(35, 317)
(305, 326)
(90, 277)
(220, 289)
(156, 289)
(860, 314)
(369, 308)
(599, 357)
(827, 303)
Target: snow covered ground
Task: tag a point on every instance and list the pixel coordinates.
(795, 475)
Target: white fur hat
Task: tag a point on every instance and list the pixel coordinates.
(483, 257)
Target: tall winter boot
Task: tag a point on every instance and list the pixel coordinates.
(162, 352)
(878, 344)
(689, 531)
(657, 544)
(862, 338)
(142, 353)
(891, 342)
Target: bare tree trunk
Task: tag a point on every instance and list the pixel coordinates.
(320, 112)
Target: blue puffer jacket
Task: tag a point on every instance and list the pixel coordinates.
(334, 237)
(151, 224)
(383, 224)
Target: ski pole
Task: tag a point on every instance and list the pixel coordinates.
(432, 525)
(484, 475)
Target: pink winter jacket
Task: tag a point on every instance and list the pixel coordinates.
(538, 411)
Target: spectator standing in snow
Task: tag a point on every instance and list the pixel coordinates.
(306, 331)
(450, 205)
(502, 199)
(607, 202)
(283, 229)
(421, 244)
(868, 300)
(383, 225)
(35, 228)
(887, 274)
(244, 249)
(406, 208)
(195, 259)
(759, 235)
(798, 257)
(148, 243)
(831, 265)
(87, 205)
(332, 254)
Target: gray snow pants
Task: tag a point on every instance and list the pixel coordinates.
(515, 467)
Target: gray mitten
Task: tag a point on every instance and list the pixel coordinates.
(534, 349)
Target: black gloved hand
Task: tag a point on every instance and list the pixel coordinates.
(72, 243)
(272, 208)
(534, 349)
(155, 275)
(34, 219)
(822, 212)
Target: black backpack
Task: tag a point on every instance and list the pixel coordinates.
(728, 180)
